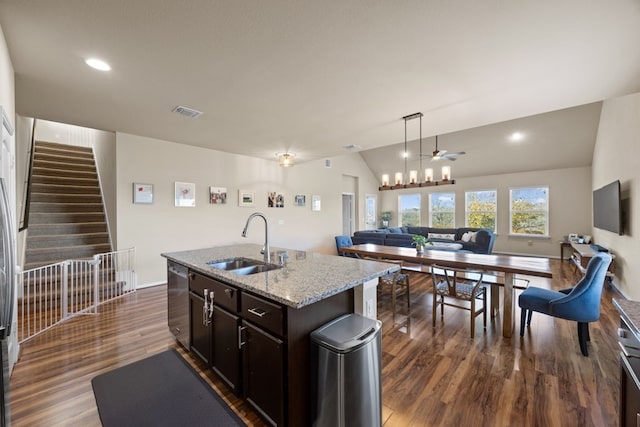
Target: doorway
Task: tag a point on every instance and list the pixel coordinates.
(370, 217)
(348, 213)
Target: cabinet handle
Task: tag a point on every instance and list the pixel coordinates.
(207, 309)
(240, 342)
(257, 311)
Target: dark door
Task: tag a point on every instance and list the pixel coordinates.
(200, 328)
(263, 376)
(226, 352)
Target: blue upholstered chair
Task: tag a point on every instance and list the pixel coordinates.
(580, 303)
(344, 242)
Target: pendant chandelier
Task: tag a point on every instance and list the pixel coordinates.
(413, 178)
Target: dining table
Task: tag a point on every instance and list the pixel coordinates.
(509, 265)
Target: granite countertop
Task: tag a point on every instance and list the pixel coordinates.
(630, 312)
(307, 277)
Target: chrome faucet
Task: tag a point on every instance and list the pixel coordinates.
(265, 249)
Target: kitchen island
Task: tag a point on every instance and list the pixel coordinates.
(253, 329)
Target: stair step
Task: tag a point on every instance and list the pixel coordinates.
(62, 159)
(69, 166)
(69, 228)
(64, 180)
(45, 207)
(40, 149)
(65, 217)
(65, 197)
(64, 253)
(47, 171)
(65, 189)
(63, 240)
(64, 147)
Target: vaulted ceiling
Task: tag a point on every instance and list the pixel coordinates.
(314, 77)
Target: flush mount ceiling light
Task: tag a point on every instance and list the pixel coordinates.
(414, 180)
(98, 64)
(285, 160)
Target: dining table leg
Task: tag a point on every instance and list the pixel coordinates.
(508, 320)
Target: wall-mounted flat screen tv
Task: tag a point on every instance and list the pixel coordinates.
(607, 209)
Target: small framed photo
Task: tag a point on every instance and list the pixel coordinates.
(217, 195)
(275, 200)
(246, 198)
(315, 203)
(185, 194)
(300, 200)
(142, 193)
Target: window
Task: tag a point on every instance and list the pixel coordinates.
(409, 208)
(529, 211)
(481, 209)
(442, 210)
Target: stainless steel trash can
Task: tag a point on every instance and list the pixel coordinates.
(345, 378)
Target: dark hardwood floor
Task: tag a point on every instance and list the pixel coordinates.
(431, 376)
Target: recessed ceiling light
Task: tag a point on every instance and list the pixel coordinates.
(98, 64)
(516, 136)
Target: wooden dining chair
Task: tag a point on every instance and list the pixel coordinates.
(397, 281)
(459, 284)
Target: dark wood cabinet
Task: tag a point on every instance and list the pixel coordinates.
(200, 328)
(258, 346)
(263, 360)
(629, 391)
(225, 358)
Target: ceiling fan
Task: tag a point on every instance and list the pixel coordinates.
(444, 154)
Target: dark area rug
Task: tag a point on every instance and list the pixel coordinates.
(161, 390)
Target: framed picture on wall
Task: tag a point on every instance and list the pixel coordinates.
(142, 193)
(217, 195)
(246, 198)
(315, 203)
(185, 194)
(299, 200)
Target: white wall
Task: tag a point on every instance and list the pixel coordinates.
(569, 201)
(615, 157)
(162, 227)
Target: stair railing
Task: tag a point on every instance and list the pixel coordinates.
(26, 197)
(49, 295)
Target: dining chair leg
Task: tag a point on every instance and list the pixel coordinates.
(473, 317)
(393, 297)
(530, 315)
(435, 308)
(484, 307)
(408, 296)
(495, 300)
(523, 320)
(583, 332)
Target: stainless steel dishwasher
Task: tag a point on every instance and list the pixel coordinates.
(178, 302)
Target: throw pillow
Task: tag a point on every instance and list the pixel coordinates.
(441, 236)
(466, 236)
(473, 236)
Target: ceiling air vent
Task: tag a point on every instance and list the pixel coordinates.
(186, 111)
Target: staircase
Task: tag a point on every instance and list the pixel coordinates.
(66, 214)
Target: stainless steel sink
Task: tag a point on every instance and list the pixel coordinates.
(243, 266)
(234, 263)
(255, 269)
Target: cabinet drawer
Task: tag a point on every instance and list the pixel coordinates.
(263, 313)
(224, 295)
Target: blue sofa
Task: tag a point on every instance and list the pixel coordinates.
(481, 242)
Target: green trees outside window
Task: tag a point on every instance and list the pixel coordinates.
(529, 211)
(442, 210)
(481, 209)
